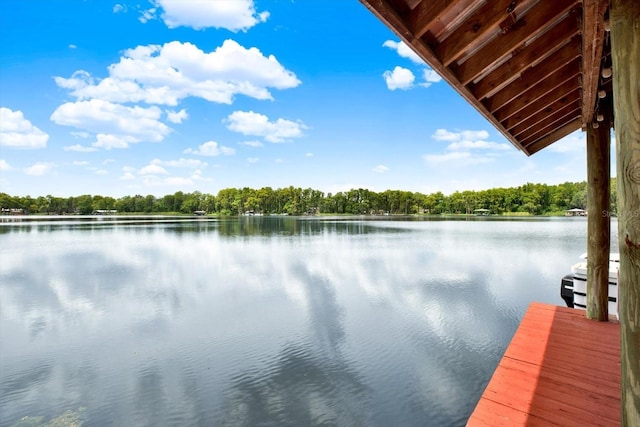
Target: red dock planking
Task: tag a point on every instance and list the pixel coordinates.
(559, 369)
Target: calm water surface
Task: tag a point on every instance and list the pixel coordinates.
(266, 321)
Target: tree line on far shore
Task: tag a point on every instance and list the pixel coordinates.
(527, 199)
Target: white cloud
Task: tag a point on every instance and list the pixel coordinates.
(101, 172)
(18, 132)
(430, 77)
(181, 163)
(255, 144)
(380, 169)
(80, 163)
(152, 169)
(116, 125)
(73, 46)
(79, 148)
(4, 165)
(82, 135)
(253, 160)
(107, 161)
(468, 140)
(574, 142)
(483, 145)
(177, 116)
(39, 169)
(460, 144)
(403, 50)
(166, 74)
(279, 160)
(308, 154)
(445, 135)
(211, 148)
(117, 8)
(255, 124)
(148, 15)
(399, 78)
(236, 15)
(457, 157)
(127, 173)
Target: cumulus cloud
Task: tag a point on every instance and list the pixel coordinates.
(4, 165)
(236, 15)
(211, 148)
(399, 78)
(402, 77)
(445, 135)
(39, 169)
(254, 144)
(181, 163)
(79, 148)
(152, 169)
(430, 77)
(572, 143)
(18, 132)
(380, 169)
(403, 50)
(458, 157)
(166, 74)
(461, 145)
(468, 139)
(117, 8)
(115, 125)
(253, 160)
(255, 124)
(177, 116)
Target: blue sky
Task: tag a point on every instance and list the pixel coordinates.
(151, 97)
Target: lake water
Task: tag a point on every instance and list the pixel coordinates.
(266, 321)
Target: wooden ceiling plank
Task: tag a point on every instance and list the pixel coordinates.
(426, 13)
(557, 120)
(484, 20)
(557, 123)
(539, 50)
(564, 61)
(536, 21)
(545, 116)
(525, 91)
(593, 35)
(553, 137)
(565, 89)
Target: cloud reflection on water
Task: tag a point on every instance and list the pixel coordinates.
(304, 320)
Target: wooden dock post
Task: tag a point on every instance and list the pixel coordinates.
(625, 52)
(598, 222)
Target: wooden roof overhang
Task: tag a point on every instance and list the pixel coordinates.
(533, 68)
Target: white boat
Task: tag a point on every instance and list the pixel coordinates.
(573, 287)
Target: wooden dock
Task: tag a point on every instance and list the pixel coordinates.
(559, 369)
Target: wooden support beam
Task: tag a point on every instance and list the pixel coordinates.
(569, 90)
(485, 20)
(592, 38)
(552, 119)
(625, 51)
(553, 137)
(561, 66)
(598, 232)
(539, 50)
(425, 14)
(544, 117)
(563, 81)
(536, 21)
